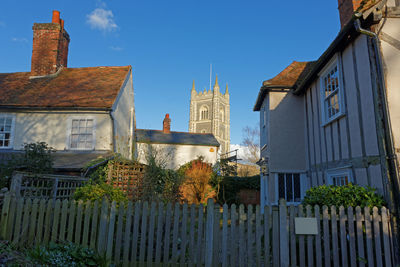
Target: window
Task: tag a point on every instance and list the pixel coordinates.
(339, 177)
(6, 131)
(289, 187)
(204, 113)
(265, 116)
(82, 134)
(222, 115)
(331, 91)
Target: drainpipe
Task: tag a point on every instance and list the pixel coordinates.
(391, 157)
(112, 132)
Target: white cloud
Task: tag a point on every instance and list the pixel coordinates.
(19, 40)
(116, 48)
(101, 19)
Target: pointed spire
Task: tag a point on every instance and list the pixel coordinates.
(216, 81)
(226, 90)
(193, 87)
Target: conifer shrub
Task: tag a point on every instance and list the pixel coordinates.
(349, 195)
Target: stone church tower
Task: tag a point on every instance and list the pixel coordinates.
(210, 113)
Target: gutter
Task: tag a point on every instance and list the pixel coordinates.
(391, 157)
(55, 108)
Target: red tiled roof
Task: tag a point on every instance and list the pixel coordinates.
(366, 4)
(289, 76)
(94, 87)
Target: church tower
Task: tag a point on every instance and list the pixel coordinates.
(210, 113)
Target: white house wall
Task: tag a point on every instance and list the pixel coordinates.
(391, 57)
(123, 120)
(176, 155)
(286, 126)
(52, 128)
(350, 141)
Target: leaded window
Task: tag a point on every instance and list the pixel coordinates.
(82, 134)
(6, 131)
(331, 105)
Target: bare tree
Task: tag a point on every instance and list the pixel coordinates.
(251, 141)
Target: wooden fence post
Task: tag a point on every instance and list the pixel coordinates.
(283, 234)
(54, 189)
(4, 215)
(209, 233)
(15, 187)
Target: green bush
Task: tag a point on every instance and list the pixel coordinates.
(349, 195)
(99, 191)
(65, 255)
(159, 183)
(37, 158)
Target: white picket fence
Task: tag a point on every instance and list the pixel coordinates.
(148, 234)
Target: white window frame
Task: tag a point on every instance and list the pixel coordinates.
(12, 131)
(334, 62)
(337, 173)
(69, 132)
(303, 186)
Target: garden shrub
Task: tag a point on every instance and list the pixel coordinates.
(96, 192)
(66, 255)
(349, 195)
(196, 186)
(159, 183)
(37, 158)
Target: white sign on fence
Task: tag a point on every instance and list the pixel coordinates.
(305, 226)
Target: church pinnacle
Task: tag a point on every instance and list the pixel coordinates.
(193, 87)
(216, 82)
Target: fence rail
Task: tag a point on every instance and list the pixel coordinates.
(47, 186)
(145, 233)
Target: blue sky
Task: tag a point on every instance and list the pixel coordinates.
(170, 43)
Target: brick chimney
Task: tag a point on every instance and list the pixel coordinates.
(347, 9)
(167, 124)
(50, 46)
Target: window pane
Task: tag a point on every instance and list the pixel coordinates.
(281, 185)
(75, 123)
(82, 123)
(297, 191)
(289, 187)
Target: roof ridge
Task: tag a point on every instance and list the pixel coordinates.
(172, 131)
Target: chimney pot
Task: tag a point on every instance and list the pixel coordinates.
(167, 124)
(56, 17)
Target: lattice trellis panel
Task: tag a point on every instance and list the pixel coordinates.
(128, 177)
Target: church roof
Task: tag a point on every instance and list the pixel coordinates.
(177, 138)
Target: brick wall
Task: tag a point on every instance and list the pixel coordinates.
(249, 196)
(346, 10)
